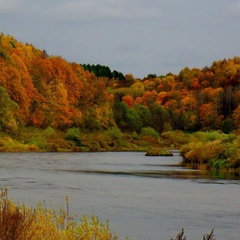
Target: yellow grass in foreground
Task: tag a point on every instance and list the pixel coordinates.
(18, 222)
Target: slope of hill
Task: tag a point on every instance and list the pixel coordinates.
(51, 96)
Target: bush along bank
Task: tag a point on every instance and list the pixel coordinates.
(200, 150)
(212, 151)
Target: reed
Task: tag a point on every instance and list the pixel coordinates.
(181, 236)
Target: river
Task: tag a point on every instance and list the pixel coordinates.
(144, 198)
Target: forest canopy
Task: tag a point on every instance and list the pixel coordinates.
(47, 91)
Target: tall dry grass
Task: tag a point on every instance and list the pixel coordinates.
(18, 222)
(201, 153)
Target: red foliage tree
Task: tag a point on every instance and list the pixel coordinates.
(128, 100)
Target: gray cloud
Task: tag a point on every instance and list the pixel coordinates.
(132, 36)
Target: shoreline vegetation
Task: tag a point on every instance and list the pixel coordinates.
(20, 222)
(209, 151)
(50, 104)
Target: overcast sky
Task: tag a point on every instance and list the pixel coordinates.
(130, 36)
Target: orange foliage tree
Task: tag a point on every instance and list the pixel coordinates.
(60, 88)
(209, 117)
(236, 117)
(128, 100)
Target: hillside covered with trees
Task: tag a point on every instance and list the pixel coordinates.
(40, 90)
(46, 95)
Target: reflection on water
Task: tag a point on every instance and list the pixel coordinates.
(143, 197)
(225, 175)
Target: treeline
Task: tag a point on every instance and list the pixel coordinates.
(103, 71)
(41, 91)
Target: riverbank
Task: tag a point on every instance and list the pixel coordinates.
(213, 152)
(74, 140)
(201, 150)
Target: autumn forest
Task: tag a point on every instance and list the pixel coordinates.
(91, 106)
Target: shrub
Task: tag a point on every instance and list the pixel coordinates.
(148, 140)
(103, 142)
(215, 135)
(73, 134)
(114, 133)
(219, 163)
(210, 136)
(7, 144)
(48, 139)
(20, 222)
(201, 153)
(94, 146)
(213, 149)
(15, 221)
(232, 153)
(148, 131)
(175, 138)
(49, 131)
(135, 136)
(158, 152)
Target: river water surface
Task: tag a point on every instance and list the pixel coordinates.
(144, 198)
